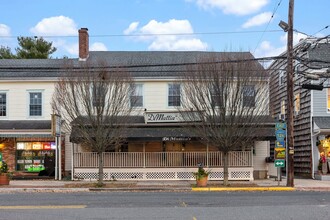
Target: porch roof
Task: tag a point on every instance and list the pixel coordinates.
(321, 125)
(25, 128)
(153, 133)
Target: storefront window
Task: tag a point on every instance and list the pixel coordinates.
(30, 155)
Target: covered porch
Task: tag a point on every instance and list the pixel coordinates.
(161, 165)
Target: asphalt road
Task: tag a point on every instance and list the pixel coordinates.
(166, 205)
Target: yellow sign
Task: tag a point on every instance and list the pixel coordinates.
(279, 153)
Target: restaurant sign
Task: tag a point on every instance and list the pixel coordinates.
(161, 117)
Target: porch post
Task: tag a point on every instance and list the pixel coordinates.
(207, 155)
(144, 155)
(72, 161)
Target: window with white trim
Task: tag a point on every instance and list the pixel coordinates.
(216, 97)
(248, 96)
(35, 104)
(282, 107)
(281, 78)
(136, 99)
(174, 94)
(3, 104)
(297, 103)
(328, 99)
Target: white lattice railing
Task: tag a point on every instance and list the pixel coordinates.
(160, 174)
(161, 159)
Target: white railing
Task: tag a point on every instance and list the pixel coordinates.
(162, 159)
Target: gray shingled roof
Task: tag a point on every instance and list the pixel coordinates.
(320, 52)
(136, 62)
(25, 124)
(322, 122)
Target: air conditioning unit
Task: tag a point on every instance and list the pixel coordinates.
(281, 117)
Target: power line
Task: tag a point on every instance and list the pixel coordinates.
(271, 18)
(145, 35)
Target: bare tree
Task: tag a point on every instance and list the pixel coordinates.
(228, 93)
(94, 103)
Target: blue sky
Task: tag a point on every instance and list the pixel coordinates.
(144, 25)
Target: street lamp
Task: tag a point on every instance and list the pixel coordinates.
(288, 27)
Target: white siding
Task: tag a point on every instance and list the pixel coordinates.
(18, 99)
(320, 103)
(155, 96)
(260, 153)
(68, 153)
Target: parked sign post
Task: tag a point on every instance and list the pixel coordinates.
(280, 148)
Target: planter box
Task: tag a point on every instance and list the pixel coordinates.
(4, 179)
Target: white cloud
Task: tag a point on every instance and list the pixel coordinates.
(4, 30)
(237, 7)
(258, 20)
(97, 46)
(132, 27)
(158, 34)
(266, 49)
(55, 26)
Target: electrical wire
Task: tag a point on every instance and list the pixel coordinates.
(271, 18)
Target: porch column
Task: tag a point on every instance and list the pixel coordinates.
(144, 155)
(207, 155)
(72, 161)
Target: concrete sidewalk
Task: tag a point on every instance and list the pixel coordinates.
(84, 186)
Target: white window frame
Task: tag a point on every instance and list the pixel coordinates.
(6, 105)
(297, 101)
(328, 100)
(168, 94)
(281, 78)
(217, 96)
(28, 103)
(142, 94)
(244, 96)
(282, 107)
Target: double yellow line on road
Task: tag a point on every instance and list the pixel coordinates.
(43, 207)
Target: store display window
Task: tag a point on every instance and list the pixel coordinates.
(30, 155)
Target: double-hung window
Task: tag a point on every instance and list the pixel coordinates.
(35, 106)
(174, 95)
(248, 96)
(99, 92)
(3, 104)
(136, 98)
(216, 97)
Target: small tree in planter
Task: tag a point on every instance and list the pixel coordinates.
(4, 174)
(201, 176)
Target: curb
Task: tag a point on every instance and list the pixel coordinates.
(30, 190)
(207, 189)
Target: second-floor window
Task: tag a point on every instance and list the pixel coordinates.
(328, 99)
(282, 110)
(35, 107)
(216, 97)
(297, 103)
(248, 96)
(281, 78)
(174, 94)
(137, 96)
(3, 104)
(98, 94)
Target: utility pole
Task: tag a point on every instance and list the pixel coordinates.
(290, 89)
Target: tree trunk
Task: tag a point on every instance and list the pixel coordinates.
(100, 181)
(225, 169)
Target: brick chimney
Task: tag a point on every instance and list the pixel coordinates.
(83, 44)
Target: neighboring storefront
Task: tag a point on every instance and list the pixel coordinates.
(30, 155)
(24, 145)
